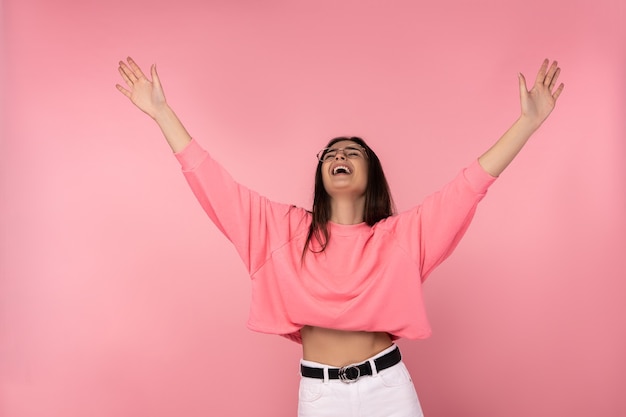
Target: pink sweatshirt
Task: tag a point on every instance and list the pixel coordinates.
(368, 278)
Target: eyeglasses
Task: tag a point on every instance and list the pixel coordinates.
(350, 152)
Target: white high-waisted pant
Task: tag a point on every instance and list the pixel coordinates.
(388, 393)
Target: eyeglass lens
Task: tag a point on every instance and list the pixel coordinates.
(349, 152)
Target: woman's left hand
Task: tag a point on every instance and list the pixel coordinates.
(539, 102)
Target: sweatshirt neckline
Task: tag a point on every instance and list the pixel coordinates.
(348, 229)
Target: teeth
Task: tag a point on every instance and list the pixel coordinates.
(341, 167)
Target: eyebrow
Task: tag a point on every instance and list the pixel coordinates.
(345, 147)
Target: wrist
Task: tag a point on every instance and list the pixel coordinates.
(162, 113)
(527, 124)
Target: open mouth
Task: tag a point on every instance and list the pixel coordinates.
(341, 169)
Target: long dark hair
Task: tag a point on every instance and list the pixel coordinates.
(378, 201)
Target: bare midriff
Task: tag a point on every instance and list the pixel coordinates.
(340, 348)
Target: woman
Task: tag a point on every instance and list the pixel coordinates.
(344, 280)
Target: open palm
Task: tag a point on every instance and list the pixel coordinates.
(145, 94)
(539, 102)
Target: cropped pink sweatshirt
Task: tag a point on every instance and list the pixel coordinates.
(367, 279)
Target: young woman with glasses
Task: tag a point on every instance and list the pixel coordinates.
(344, 279)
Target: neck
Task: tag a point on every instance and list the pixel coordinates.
(347, 211)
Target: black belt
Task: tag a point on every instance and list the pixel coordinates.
(351, 373)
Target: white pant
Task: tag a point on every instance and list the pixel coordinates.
(388, 393)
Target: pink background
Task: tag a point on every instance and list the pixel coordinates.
(118, 297)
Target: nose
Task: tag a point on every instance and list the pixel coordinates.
(340, 153)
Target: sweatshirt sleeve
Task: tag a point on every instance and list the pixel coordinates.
(255, 225)
(432, 230)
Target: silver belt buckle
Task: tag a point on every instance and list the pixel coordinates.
(349, 374)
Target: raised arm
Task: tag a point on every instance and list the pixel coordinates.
(148, 96)
(536, 104)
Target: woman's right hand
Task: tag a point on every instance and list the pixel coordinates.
(145, 94)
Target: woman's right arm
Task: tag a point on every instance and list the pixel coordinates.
(148, 96)
(254, 224)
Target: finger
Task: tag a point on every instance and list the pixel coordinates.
(123, 90)
(127, 73)
(550, 73)
(135, 68)
(541, 75)
(554, 78)
(155, 76)
(558, 92)
(522, 83)
(124, 75)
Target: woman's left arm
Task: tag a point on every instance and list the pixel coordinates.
(537, 104)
